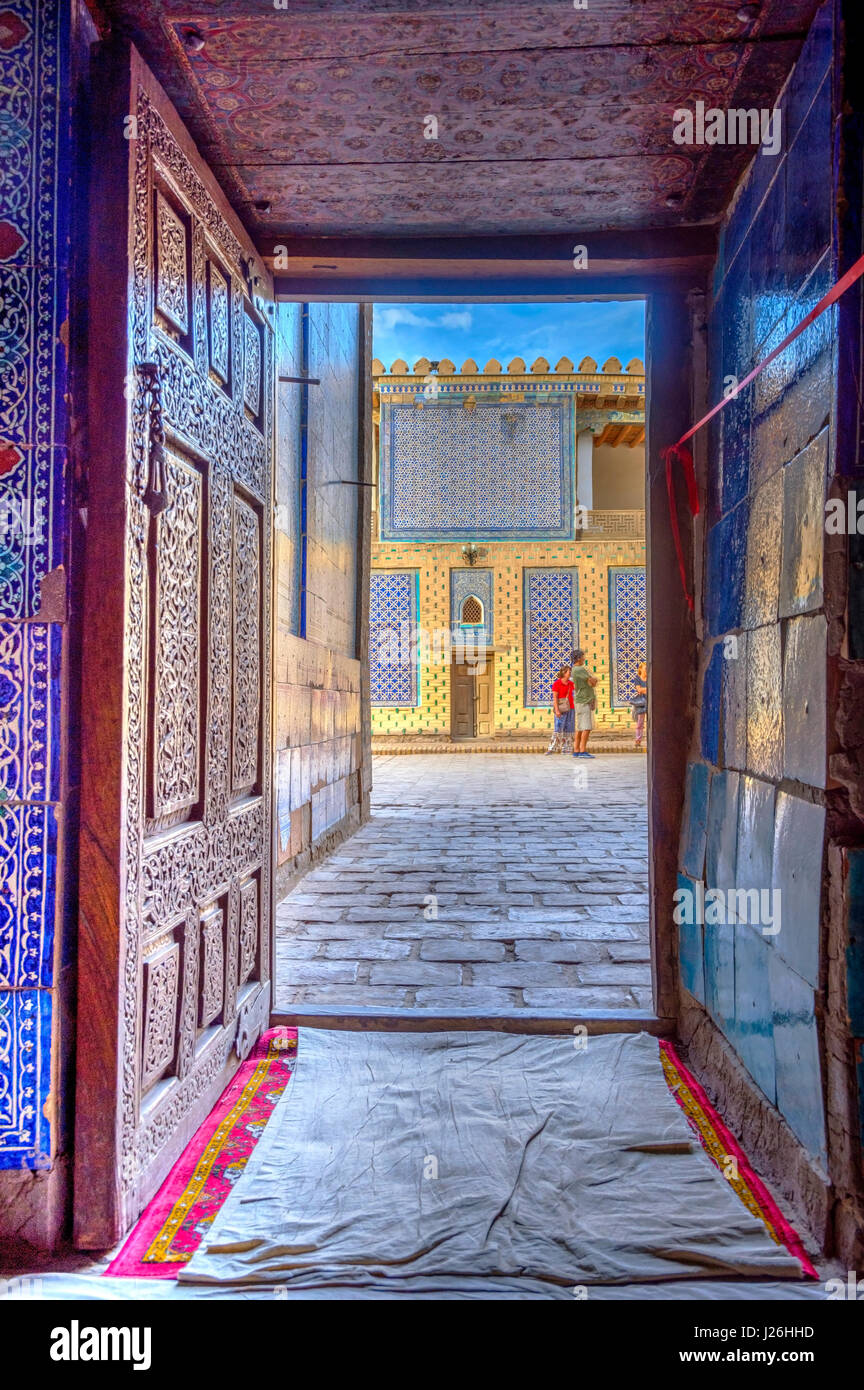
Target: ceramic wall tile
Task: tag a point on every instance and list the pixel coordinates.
(725, 564)
(754, 1015)
(690, 942)
(799, 834)
(755, 834)
(855, 930)
(720, 976)
(712, 684)
(695, 820)
(805, 700)
(28, 866)
(764, 542)
(25, 1047)
(735, 701)
(796, 1051)
(722, 839)
(803, 529)
(29, 711)
(765, 702)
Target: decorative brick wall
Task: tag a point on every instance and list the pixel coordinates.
(433, 564)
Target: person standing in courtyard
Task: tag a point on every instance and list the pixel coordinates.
(640, 701)
(562, 709)
(584, 701)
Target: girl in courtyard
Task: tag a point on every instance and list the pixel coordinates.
(584, 700)
(640, 701)
(562, 708)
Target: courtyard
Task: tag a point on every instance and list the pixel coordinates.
(487, 884)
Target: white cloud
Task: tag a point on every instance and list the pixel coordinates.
(462, 319)
(389, 319)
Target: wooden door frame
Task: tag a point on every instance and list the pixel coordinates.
(108, 1194)
(468, 738)
(669, 270)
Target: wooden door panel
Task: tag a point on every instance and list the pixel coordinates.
(462, 700)
(485, 701)
(174, 957)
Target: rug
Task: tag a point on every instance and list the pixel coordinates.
(173, 1225)
(416, 1162)
(724, 1150)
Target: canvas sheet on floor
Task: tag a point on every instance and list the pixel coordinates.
(416, 1161)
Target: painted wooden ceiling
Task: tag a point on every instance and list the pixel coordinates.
(550, 118)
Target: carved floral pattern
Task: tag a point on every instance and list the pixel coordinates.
(172, 279)
(247, 647)
(251, 365)
(177, 617)
(248, 928)
(212, 965)
(161, 983)
(219, 322)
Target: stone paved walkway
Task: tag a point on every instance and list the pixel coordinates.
(497, 884)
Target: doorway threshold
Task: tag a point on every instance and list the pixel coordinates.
(466, 1020)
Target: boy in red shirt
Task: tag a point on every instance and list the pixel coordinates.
(564, 712)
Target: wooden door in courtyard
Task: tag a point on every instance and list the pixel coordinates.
(175, 849)
(462, 711)
(472, 707)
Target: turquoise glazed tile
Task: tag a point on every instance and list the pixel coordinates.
(764, 702)
(690, 943)
(805, 719)
(754, 1017)
(803, 529)
(796, 1052)
(755, 834)
(722, 841)
(720, 976)
(25, 1047)
(799, 833)
(695, 820)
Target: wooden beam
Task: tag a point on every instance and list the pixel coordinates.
(386, 268)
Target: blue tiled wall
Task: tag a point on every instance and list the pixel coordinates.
(763, 694)
(34, 267)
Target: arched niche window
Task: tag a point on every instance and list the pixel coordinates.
(472, 612)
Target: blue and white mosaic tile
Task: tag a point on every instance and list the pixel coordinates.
(551, 629)
(502, 471)
(393, 637)
(628, 630)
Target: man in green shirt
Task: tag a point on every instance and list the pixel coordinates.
(584, 701)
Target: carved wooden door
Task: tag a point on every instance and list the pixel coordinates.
(175, 862)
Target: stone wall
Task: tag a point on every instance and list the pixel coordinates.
(321, 776)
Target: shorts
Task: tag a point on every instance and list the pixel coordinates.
(565, 723)
(584, 718)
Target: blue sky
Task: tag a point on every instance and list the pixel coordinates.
(504, 331)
